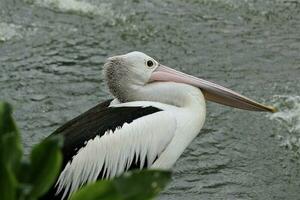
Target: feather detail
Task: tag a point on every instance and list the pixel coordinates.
(114, 152)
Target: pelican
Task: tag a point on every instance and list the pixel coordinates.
(155, 114)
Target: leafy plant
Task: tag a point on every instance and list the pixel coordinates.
(136, 185)
(29, 178)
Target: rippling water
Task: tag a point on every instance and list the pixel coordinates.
(52, 51)
(289, 120)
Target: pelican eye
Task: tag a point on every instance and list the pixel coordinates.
(150, 63)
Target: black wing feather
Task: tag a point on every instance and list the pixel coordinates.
(95, 121)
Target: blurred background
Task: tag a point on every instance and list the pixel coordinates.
(52, 52)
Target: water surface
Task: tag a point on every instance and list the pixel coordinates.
(52, 52)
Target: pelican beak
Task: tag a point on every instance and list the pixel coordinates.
(211, 91)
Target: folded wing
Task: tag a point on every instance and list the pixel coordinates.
(106, 141)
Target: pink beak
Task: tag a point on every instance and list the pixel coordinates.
(211, 91)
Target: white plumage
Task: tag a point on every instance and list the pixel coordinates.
(115, 151)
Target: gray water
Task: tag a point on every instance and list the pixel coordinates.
(52, 52)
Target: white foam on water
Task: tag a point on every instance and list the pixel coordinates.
(74, 6)
(9, 31)
(289, 118)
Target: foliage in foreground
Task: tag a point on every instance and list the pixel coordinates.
(29, 178)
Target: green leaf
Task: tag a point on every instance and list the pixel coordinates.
(10, 144)
(101, 190)
(45, 163)
(8, 183)
(135, 185)
(144, 184)
(6, 123)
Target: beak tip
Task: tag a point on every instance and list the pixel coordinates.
(273, 109)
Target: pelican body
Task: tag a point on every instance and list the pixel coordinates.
(155, 114)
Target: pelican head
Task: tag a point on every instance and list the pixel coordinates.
(126, 74)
